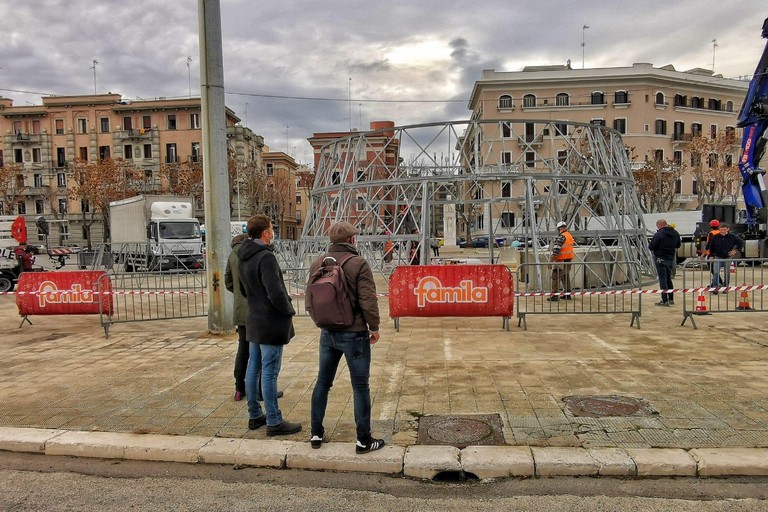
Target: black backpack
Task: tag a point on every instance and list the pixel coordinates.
(328, 298)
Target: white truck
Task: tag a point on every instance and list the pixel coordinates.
(155, 232)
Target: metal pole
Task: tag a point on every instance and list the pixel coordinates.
(583, 44)
(215, 174)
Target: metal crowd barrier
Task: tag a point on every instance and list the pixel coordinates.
(744, 292)
(589, 293)
(145, 296)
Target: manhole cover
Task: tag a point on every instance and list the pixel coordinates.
(461, 430)
(607, 406)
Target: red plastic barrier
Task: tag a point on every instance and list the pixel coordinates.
(451, 290)
(63, 293)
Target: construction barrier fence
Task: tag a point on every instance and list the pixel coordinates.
(572, 288)
(723, 286)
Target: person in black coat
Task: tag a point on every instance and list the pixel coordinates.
(722, 247)
(269, 324)
(664, 245)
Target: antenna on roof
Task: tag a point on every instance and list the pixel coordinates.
(583, 43)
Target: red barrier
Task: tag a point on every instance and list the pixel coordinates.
(63, 293)
(451, 290)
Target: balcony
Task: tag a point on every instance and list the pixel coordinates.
(682, 137)
(24, 138)
(142, 133)
(530, 140)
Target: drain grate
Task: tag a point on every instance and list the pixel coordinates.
(461, 430)
(607, 406)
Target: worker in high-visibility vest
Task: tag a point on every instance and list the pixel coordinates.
(562, 255)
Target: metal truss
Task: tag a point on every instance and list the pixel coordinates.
(511, 180)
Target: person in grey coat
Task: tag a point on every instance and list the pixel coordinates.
(239, 312)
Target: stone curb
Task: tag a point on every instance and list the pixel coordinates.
(425, 462)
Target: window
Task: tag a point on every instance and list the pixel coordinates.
(677, 157)
(38, 180)
(620, 125)
(730, 133)
(678, 186)
(62, 206)
(61, 179)
(561, 129)
(713, 131)
(39, 206)
(530, 132)
(18, 156)
(85, 206)
(714, 104)
(360, 204)
(505, 101)
(507, 219)
(195, 151)
(271, 170)
(661, 127)
(562, 157)
(729, 106)
(660, 98)
(171, 121)
(35, 126)
(680, 100)
(506, 189)
(59, 126)
(695, 187)
(506, 130)
(127, 123)
(506, 157)
(82, 125)
(146, 122)
(712, 160)
(530, 159)
(147, 150)
(621, 97)
(61, 157)
(711, 186)
(171, 155)
(298, 199)
(598, 98)
(695, 160)
(104, 152)
(658, 156)
(104, 124)
(729, 160)
(36, 158)
(529, 100)
(697, 102)
(696, 129)
(1, 164)
(21, 208)
(335, 176)
(194, 121)
(679, 130)
(83, 153)
(17, 127)
(128, 151)
(562, 100)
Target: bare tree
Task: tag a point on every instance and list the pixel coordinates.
(184, 179)
(9, 186)
(655, 185)
(712, 166)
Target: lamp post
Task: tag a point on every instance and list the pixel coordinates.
(189, 75)
(583, 43)
(95, 62)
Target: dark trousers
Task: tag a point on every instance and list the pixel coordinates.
(664, 269)
(241, 359)
(561, 276)
(356, 349)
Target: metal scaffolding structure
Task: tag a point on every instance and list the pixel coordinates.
(507, 180)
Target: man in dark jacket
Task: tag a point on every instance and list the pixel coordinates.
(353, 342)
(664, 245)
(269, 324)
(722, 247)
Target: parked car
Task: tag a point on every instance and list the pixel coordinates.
(480, 242)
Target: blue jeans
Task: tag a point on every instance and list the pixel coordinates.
(721, 272)
(664, 269)
(264, 366)
(356, 348)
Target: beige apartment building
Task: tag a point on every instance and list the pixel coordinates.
(657, 110)
(40, 143)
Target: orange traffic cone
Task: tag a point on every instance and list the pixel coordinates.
(744, 300)
(701, 305)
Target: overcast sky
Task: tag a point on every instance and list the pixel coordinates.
(393, 59)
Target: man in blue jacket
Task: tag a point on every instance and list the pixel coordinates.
(664, 245)
(269, 324)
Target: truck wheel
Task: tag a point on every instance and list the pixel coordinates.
(6, 282)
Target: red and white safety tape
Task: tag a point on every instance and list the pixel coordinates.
(702, 289)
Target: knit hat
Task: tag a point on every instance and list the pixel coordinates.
(341, 231)
(714, 223)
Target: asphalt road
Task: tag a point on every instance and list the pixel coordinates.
(35, 482)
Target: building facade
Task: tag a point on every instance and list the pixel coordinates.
(40, 143)
(658, 111)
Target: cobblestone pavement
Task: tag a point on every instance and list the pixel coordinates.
(708, 387)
